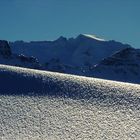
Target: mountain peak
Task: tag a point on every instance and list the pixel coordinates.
(61, 38)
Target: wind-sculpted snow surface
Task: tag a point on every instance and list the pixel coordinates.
(44, 105)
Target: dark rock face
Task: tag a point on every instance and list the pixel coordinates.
(128, 56)
(121, 66)
(124, 54)
(5, 48)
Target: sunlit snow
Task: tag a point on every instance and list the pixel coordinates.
(93, 37)
(42, 105)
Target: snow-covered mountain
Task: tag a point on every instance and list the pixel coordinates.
(68, 55)
(9, 58)
(85, 55)
(45, 105)
(121, 66)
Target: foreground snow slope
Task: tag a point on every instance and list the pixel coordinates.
(44, 105)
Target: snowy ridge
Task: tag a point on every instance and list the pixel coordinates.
(93, 37)
(45, 105)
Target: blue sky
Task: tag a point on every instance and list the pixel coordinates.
(48, 19)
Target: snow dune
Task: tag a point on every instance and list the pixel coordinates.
(45, 105)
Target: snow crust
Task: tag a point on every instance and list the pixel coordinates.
(45, 105)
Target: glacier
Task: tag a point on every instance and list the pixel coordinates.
(36, 105)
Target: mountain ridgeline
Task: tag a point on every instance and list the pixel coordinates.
(84, 55)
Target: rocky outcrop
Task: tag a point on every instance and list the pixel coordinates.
(5, 48)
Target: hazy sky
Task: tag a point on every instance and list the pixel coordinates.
(48, 19)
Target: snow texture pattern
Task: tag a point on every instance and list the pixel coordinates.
(40, 105)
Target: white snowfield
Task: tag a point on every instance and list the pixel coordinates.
(94, 37)
(39, 105)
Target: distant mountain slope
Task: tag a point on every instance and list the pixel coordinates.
(81, 51)
(121, 66)
(44, 105)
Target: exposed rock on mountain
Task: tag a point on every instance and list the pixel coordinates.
(5, 50)
(7, 57)
(122, 66)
